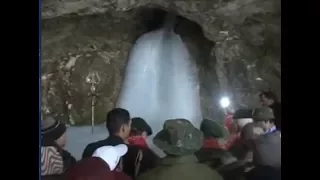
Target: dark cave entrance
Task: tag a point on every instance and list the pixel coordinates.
(191, 32)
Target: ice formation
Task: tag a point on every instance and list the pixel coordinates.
(161, 80)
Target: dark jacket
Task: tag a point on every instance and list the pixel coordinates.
(276, 107)
(183, 167)
(90, 148)
(149, 160)
(264, 173)
(68, 159)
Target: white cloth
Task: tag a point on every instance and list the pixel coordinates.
(111, 154)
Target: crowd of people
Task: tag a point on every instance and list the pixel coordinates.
(247, 146)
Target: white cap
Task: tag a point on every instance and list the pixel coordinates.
(111, 154)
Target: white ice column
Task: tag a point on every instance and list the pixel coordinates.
(161, 80)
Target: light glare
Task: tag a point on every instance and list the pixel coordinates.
(224, 102)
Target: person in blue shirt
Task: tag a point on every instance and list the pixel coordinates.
(266, 147)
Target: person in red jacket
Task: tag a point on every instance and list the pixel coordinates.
(224, 136)
(140, 158)
(140, 130)
(218, 136)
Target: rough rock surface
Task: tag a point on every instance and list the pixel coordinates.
(236, 44)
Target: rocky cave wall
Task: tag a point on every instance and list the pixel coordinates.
(238, 53)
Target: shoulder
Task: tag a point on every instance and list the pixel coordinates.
(96, 144)
(146, 151)
(268, 141)
(90, 148)
(50, 151)
(273, 137)
(149, 153)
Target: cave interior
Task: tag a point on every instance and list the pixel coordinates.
(73, 46)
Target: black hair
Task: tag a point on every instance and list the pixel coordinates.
(139, 125)
(243, 113)
(268, 94)
(116, 118)
(136, 132)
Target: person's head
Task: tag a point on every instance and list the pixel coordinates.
(118, 122)
(263, 118)
(53, 131)
(267, 98)
(242, 117)
(139, 127)
(179, 137)
(212, 129)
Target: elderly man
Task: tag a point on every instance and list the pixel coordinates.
(266, 157)
(266, 148)
(264, 118)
